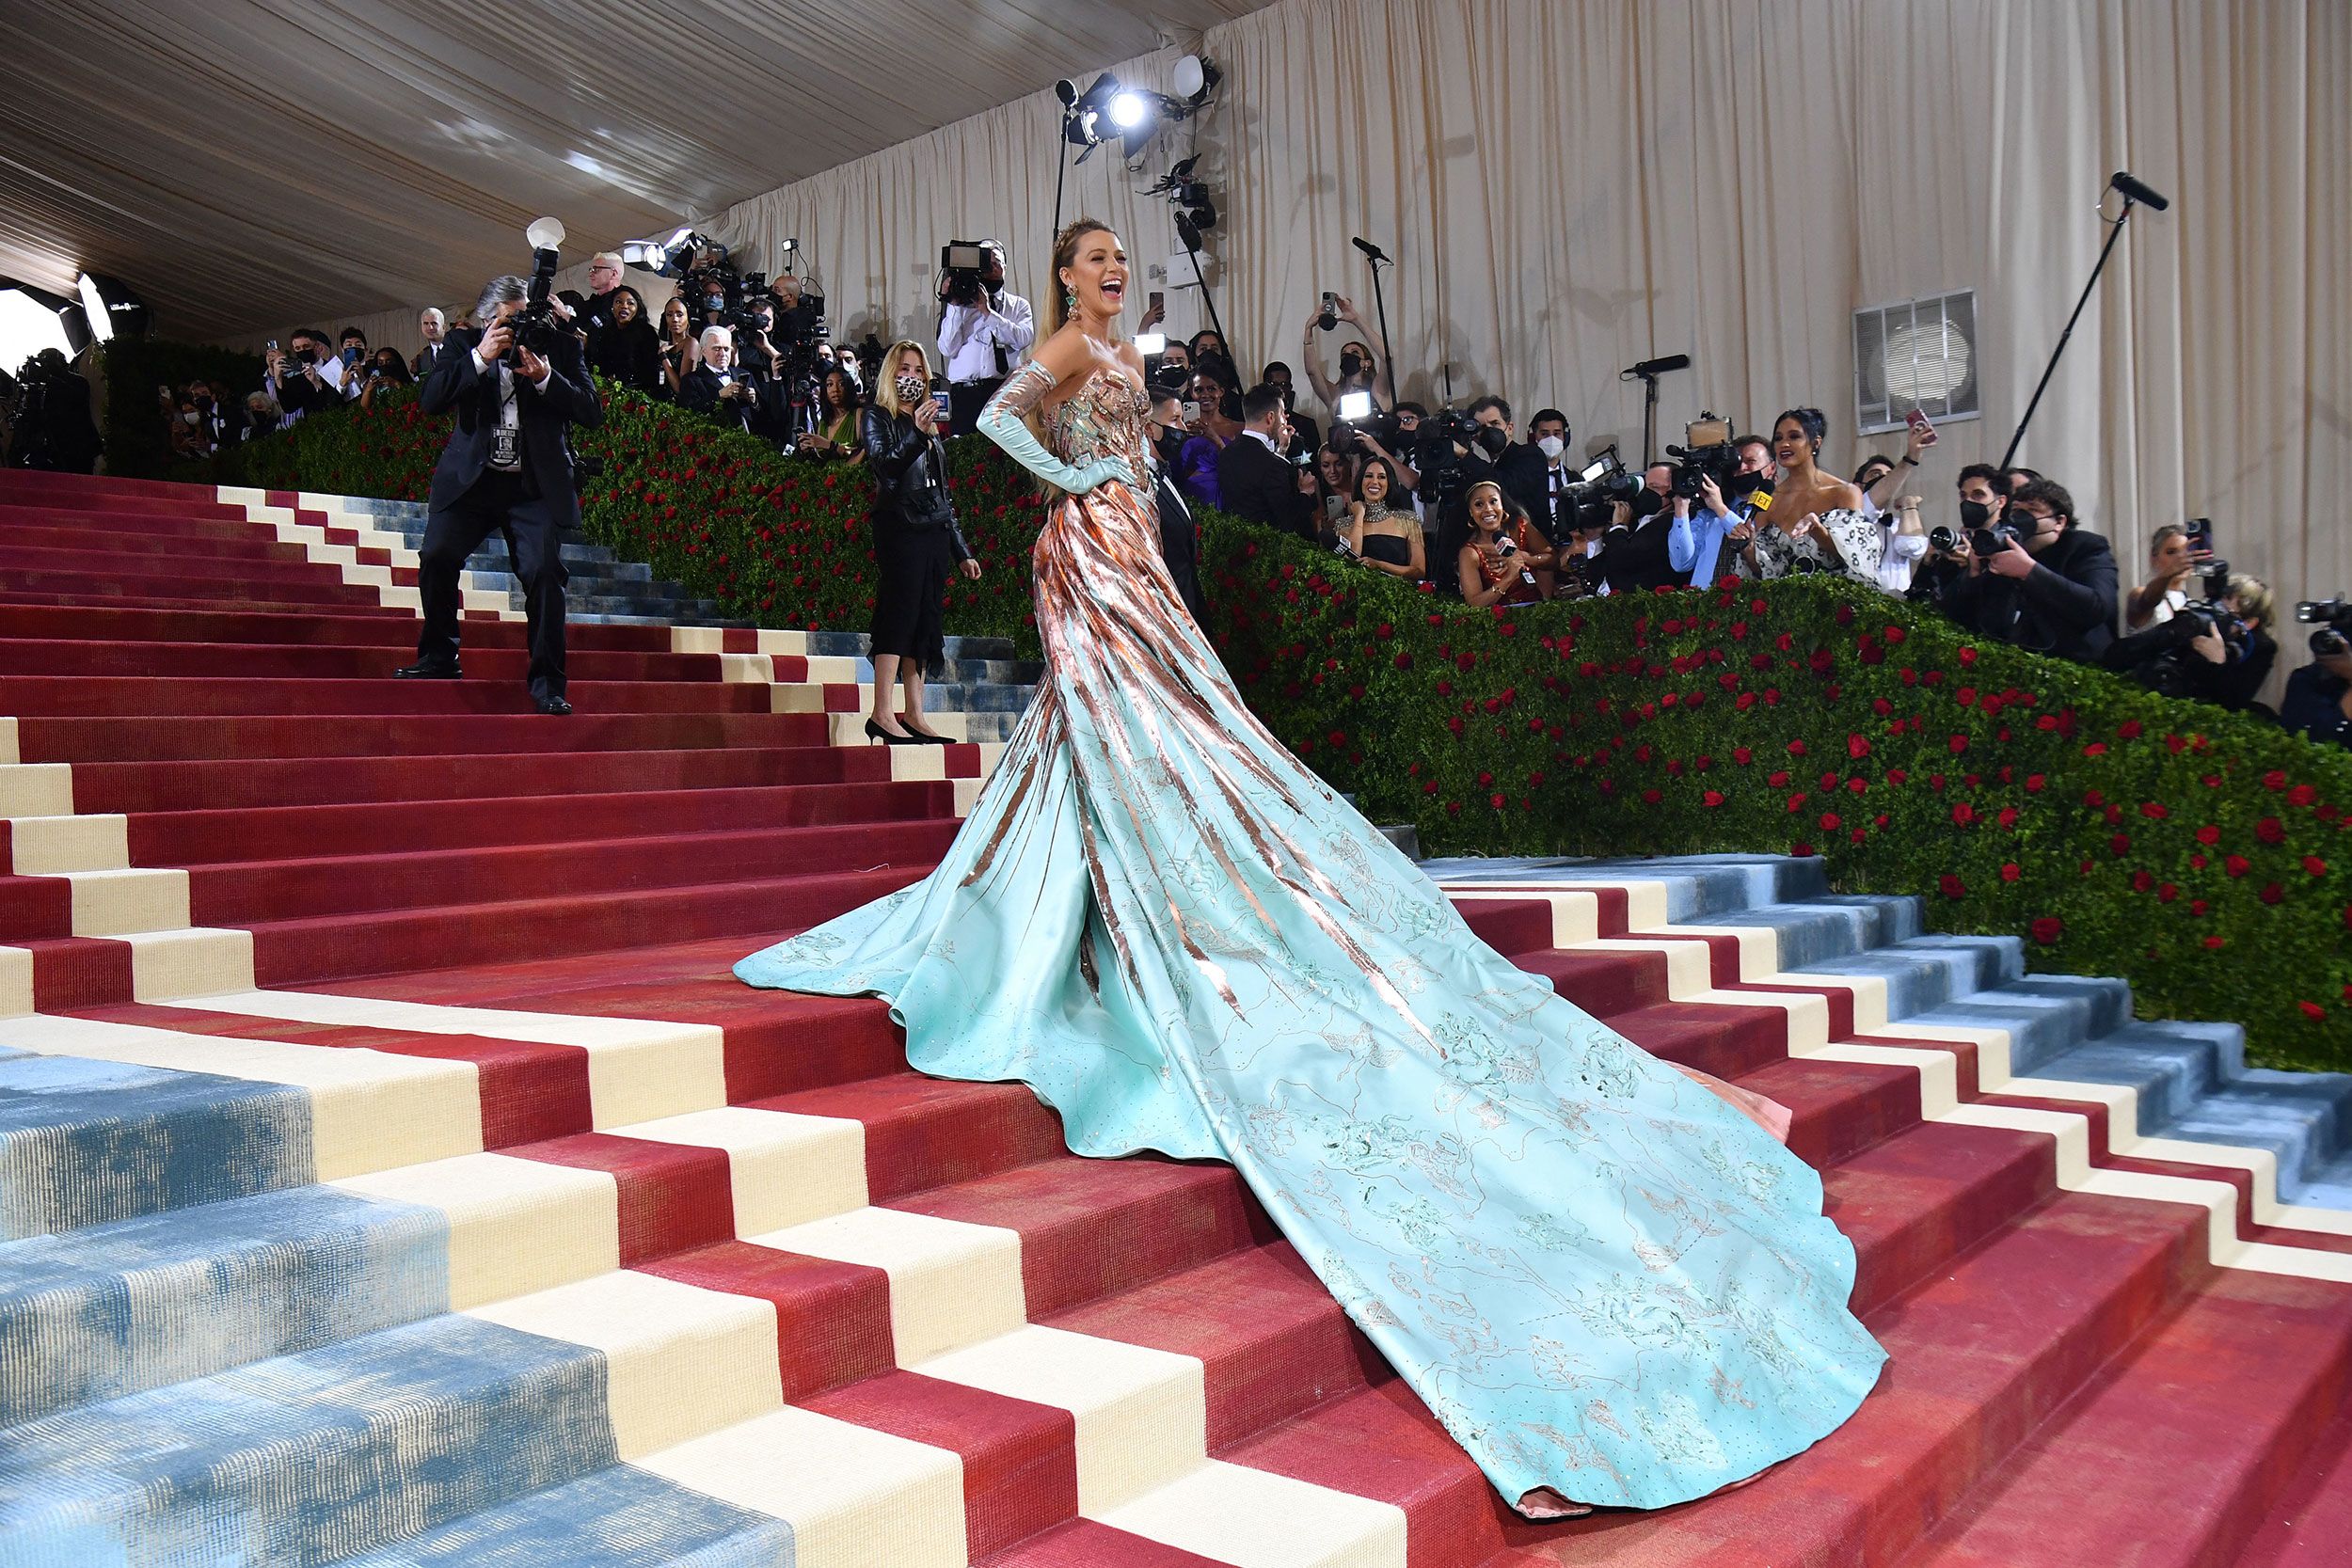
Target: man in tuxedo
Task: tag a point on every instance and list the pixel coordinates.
(1252, 478)
(1180, 532)
(719, 387)
(508, 469)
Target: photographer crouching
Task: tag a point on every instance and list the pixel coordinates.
(2036, 579)
(518, 384)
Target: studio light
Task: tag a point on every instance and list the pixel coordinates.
(33, 319)
(1129, 109)
(110, 308)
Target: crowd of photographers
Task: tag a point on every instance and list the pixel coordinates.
(1464, 500)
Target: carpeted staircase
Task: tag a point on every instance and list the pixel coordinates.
(392, 1172)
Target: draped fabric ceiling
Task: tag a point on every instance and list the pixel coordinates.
(244, 163)
(1568, 186)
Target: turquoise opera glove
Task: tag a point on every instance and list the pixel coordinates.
(1001, 422)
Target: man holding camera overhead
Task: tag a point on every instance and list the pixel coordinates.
(984, 328)
(518, 388)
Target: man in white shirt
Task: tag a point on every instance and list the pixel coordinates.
(981, 341)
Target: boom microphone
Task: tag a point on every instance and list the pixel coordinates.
(2139, 192)
(1658, 367)
(1374, 252)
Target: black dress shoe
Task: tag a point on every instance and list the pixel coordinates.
(876, 732)
(554, 707)
(429, 670)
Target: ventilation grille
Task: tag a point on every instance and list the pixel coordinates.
(1920, 354)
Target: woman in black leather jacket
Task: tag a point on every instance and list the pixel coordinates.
(917, 542)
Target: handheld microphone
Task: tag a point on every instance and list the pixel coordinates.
(2139, 192)
(1660, 367)
(1376, 253)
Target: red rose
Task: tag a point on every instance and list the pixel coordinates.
(2274, 779)
(2096, 749)
(2271, 830)
(2314, 864)
(2009, 871)
(2142, 882)
(2209, 834)
(2214, 941)
(1828, 821)
(2271, 893)
(2154, 809)
(1952, 886)
(2237, 866)
(2312, 1009)
(1963, 814)
(2301, 794)
(1858, 747)
(1712, 799)
(1968, 655)
(1741, 756)
(1778, 779)
(1796, 748)
(1896, 776)
(2048, 929)
(2120, 845)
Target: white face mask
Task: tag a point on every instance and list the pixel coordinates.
(190, 417)
(1551, 447)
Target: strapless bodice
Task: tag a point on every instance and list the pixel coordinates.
(1104, 417)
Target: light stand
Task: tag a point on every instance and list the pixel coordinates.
(1190, 235)
(2134, 193)
(1647, 372)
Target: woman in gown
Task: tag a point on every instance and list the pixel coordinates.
(1816, 522)
(1607, 1280)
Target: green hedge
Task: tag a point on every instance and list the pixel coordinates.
(2198, 854)
(137, 444)
(777, 540)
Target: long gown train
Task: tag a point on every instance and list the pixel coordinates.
(1602, 1277)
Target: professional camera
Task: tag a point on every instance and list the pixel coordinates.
(1943, 539)
(1995, 538)
(1708, 454)
(2333, 617)
(1439, 449)
(1379, 425)
(537, 326)
(963, 268)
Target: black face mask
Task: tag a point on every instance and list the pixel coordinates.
(1646, 502)
(1350, 365)
(1974, 514)
(1170, 442)
(1493, 438)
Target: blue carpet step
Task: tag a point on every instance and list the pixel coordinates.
(118, 1309)
(2190, 1078)
(304, 1459)
(618, 1517)
(84, 1142)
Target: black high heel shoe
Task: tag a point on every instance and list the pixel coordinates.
(874, 732)
(926, 737)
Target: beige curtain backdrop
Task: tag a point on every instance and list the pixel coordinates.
(1569, 186)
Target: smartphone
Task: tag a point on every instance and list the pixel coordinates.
(1192, 413)
(1918, 422)
(1328, 317)
(2199, 531)
(939, 397)
(1156, 300)
(1354, 406)
(270, 347)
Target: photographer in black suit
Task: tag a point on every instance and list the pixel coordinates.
(507, 469)
(1253, 481)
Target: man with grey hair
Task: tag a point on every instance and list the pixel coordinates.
(718, 387)
(508, 469)
(604, 286)
(431, 326)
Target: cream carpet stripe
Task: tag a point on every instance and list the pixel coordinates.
(123, 903)
(1256, 1519)
(47, 845)
(195, 962)
(1141, 1413)
(16, 981)
(638, 1069)
(34, 788)
(680, 1361)
(515, 1227)
(952, 1284)
(785, 1168)
(855, 1497)
(370, 1110)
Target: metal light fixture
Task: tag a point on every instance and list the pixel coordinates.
(110, 308)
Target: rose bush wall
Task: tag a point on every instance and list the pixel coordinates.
(2205, 857)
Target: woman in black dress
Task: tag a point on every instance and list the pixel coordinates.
(1381, 530)
(917, 542)
(629, 351)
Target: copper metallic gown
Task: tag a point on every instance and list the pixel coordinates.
(1609, 1282)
